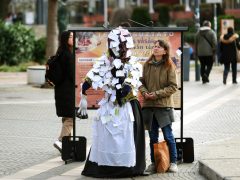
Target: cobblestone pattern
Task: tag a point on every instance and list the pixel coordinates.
(28, 130)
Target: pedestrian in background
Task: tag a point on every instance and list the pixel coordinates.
(229, 45)
(206, 46)
(159, 83)
(64, 91)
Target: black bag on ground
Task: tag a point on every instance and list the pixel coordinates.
(74, 148)
(53, 73)
(185, 149)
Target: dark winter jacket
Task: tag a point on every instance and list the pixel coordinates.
(228, 49)
(64, 92)
(206, 42)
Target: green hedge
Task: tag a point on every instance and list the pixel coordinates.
(40, 50)
(140, 15)
(16, 44)
(163, 10)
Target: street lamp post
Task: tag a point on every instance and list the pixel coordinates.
(197, 25)
(105, 9)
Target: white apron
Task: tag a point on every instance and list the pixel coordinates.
(113, 137)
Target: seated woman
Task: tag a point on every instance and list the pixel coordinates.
(118, 147)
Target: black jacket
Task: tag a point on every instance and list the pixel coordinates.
(65, 91)
(229, 50)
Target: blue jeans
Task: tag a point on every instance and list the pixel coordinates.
(168, 137)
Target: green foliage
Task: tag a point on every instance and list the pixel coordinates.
(237, 25)
(206, 12)
(140, 15)
(189, 37)
(163, 11)
(40, 50)
(17, 44)
(22, 67)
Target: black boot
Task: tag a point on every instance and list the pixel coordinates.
(204, 79)
(224, 79)
(234, 77)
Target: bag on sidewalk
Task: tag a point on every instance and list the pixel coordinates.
(74, 148)
(185, 149)
(53, 73)
(161, 156)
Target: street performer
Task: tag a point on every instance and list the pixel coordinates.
(118, 147)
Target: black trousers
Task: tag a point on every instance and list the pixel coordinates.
(206, 66)
(227, 69)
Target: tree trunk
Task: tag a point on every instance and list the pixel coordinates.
(52, 30)
(4, 8)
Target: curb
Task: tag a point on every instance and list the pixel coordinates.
(208, 172)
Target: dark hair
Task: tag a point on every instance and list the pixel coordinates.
(230, 30)
(63, 41)
(166, 57)
(125, 24)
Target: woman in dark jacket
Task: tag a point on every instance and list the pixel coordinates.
(64, 91)
(228, 47)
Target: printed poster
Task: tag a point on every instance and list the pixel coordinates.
(89, 46)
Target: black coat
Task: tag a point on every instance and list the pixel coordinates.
(229, 50)
(65, 91)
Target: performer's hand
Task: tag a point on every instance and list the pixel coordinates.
(82, 112)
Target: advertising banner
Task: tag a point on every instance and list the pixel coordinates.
(90, 45)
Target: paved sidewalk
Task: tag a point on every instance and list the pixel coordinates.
(219, 159)
(211, 118)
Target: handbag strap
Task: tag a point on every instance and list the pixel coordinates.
(207, 40)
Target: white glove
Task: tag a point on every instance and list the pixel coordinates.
(82, 112)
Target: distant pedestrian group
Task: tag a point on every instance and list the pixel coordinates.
(226, 51)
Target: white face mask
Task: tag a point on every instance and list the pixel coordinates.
(117, 36)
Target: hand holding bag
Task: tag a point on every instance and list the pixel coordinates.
(161, 156)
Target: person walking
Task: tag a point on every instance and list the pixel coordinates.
(118, 146)
(64, 91)
(159, 83)
(229, 45)
(206, 46)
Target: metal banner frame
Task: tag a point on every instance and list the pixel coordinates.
(153, 32)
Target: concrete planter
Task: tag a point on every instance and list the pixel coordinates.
(36, 75)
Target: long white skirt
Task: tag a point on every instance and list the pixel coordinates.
(113, 136)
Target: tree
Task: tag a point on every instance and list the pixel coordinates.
(52, 29)
(140, 15)
(63, 16)
(119, 16)
(4, 8)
